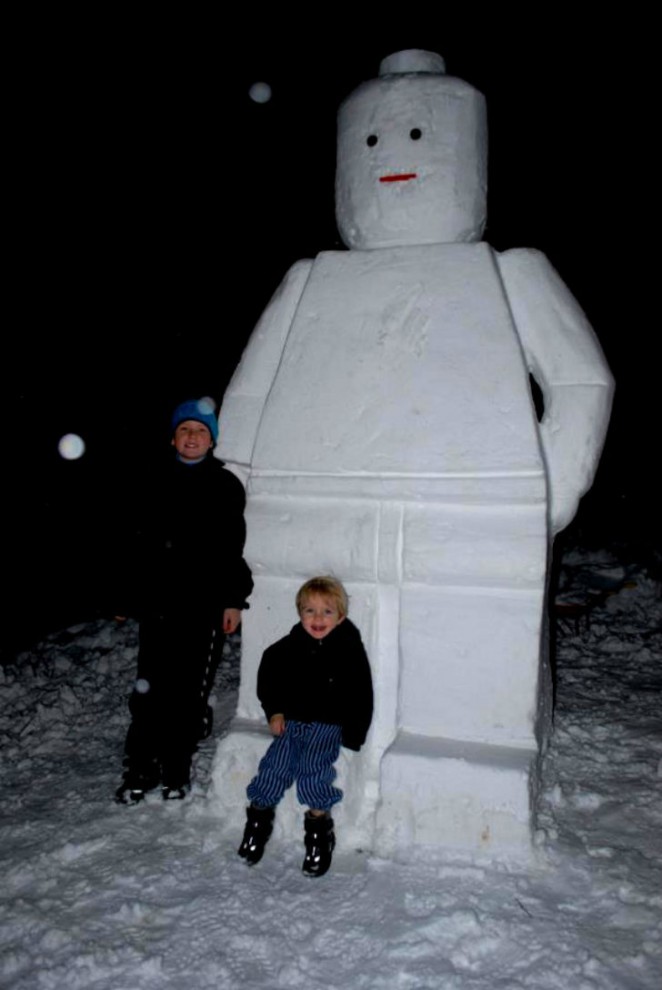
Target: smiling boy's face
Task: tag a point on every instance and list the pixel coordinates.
(192, 440)
(320, 615)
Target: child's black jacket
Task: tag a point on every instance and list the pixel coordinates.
(185, 543)
(319, 680)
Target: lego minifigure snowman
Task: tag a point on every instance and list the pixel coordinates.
(383, 421)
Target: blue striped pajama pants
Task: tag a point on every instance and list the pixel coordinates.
(305, 753)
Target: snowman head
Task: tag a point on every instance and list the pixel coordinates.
(412, 157)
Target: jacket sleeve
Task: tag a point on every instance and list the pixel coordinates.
(237, 580)
(359, 692)
(271, 682)
(238, 586)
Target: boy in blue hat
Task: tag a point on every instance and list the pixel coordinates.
(190, 584)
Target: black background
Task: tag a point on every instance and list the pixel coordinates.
(153, 208)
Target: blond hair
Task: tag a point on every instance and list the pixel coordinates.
(328, 587)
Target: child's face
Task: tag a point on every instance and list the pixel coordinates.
(320, 616)
(192, 440)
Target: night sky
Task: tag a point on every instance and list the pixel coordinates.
(154, 208)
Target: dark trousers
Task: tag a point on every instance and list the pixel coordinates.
(177, 660)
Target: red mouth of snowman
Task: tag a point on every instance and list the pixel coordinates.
(402, 177)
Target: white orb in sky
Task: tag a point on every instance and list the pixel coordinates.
(260, 92)
(71, 447)
(142, 686)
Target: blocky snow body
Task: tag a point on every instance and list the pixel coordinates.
(382, 419)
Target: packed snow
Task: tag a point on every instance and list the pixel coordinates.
(384, 400)
(106, 897)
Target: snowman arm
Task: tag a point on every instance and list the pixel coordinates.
(246, 395)
(565, 358)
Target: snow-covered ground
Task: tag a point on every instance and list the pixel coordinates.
(104, 897)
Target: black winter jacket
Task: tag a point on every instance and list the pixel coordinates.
(188, 541)
(319, 680)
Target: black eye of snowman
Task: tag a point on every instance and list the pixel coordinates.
(416, 134)
(372, 140)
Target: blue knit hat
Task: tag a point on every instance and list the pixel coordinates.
(201, 410)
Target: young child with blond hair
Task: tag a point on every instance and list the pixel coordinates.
(315, 688)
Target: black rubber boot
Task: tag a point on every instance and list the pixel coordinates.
(320, 840)
(259, 826)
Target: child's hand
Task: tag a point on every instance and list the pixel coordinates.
(231, 619)
(277, 725)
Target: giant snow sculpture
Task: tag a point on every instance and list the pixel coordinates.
(382, 419)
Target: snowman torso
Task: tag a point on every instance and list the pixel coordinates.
(402, 362)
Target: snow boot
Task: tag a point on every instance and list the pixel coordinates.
(320, 840)
(176, 777)
(136, 784)
(175, 786)
(175, 793)
(129, 795)
(259, 825)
